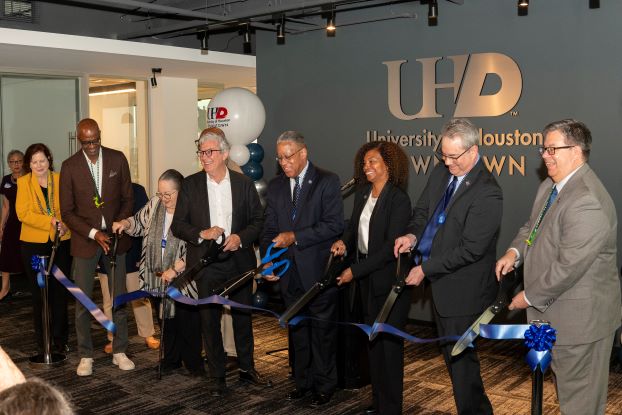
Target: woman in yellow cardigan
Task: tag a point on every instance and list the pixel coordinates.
(38, 208)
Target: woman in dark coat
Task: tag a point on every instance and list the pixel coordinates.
(10, 255)
(380, 214)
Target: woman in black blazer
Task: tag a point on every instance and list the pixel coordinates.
(380, 214)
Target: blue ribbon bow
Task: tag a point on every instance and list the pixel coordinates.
(539, 339)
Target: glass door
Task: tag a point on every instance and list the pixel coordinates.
(38, 109)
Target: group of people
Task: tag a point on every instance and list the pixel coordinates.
(568, 248)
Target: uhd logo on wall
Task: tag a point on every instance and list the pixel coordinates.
(217, 117)
(469, 76)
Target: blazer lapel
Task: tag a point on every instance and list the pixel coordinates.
(309, 183)
(202, 195)
(466, 184)
(236, 197)
(34, 184)
(382, 200)
(106, 170)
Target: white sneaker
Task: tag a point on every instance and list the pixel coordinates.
(85, 368)
(121, 360)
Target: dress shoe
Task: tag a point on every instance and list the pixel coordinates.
(121, 360)
(108, 348)
(152, 342)
(85, 368)
(254, 378)
(296, 394)
(216, 387)
(319, 399)
(370, 410)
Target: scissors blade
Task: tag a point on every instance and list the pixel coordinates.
(473, 331)
(300, 303)
(385, 310)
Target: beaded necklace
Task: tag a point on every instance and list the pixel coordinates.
(49, 207)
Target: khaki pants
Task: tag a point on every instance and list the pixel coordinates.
(141, 307)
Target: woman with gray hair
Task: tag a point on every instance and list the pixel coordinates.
(163, 258)
(10, 227)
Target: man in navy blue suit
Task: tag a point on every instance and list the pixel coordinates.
(304, 213)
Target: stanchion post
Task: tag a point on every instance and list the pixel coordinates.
(47, 359)
(537, 379)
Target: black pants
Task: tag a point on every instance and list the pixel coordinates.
(386, 352)
(212, 277)
(463, 369)
(57, 294)
(314, 342)
(182, 337)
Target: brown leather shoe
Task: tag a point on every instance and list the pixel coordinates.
(152, 342)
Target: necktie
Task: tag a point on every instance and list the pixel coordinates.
(438, 218)
(547, 205)
(295, 196)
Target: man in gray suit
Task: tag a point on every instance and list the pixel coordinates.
(568, 248)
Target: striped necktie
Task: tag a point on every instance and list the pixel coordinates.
(295, 196)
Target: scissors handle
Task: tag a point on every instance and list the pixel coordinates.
(270, 256)
(283, 265)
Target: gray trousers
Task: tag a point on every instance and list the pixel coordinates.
(84, 276)
(582, 376)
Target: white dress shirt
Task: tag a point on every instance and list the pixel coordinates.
(220, 202)
(363, 240)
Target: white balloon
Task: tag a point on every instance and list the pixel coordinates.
(239, 113)
(239, 153)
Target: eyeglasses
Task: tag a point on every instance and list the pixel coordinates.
(282, 159)
(90, 143)
(207, 152)
(552, 149)
(16, 161)
(442, 156)
(166, 196)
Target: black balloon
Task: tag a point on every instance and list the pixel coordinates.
(256, 151)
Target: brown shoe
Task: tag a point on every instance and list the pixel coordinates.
(108, 348)
(152, 342)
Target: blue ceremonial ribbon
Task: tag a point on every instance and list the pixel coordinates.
(176, 295)
(84, 300)
(135, 295)
(539, 339)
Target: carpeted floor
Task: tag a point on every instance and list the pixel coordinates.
(427, 389)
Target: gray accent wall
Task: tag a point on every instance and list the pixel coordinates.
(334, 90)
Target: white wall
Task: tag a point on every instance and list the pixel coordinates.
(173, 127)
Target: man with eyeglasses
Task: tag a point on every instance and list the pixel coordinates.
(304, 213)
(455, 226)
(568, 249)
(215, 203)
(95, 191)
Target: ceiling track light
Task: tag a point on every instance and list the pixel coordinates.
(280, 31)
(154, 81)
(203, 36)
(523, 7)
(594, 4)
(331, 28)
(247, 39)
(432, 13)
